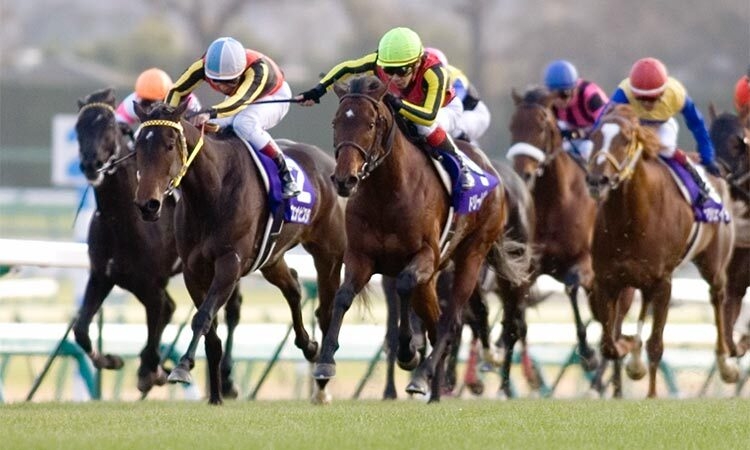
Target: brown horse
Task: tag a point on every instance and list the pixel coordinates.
(220, 222)
(564, 210)
(396, 214)
(643, 231)
(123, 250)
(730, 135)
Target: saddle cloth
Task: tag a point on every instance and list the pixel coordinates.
(449, 170)
(712, 210)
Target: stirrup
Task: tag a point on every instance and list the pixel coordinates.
(290, 190)
(467, 181)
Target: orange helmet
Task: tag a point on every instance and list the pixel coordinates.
(742, 92)
(153, 84)
(648, 77)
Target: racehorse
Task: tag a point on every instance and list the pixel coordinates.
(564, 210)
(520, 228)
(730, 135)
(221, 223)
(396, 214)
(644, 229)
(125, 251)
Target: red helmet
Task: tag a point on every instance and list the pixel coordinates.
(742, 92)
(648, 77)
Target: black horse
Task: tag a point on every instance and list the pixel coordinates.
(124, 250)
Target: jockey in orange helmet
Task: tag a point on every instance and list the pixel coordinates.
(656, 98)
(151, 85)
(244, 76)
(419, 89)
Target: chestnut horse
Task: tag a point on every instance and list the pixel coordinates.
(564, 210)
(730, 134)
(123, 250)
(396, 215)
(220, 222)
(644, 229)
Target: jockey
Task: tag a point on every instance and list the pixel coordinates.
(576, 104)
(151, 86)
(419, 89)
(244, 76)
(475, 118)
(656, 98)
(742, 92)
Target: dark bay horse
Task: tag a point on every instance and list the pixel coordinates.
(520, 228)
(564, 210)
(643, 231)
(395, 216)
(125, 251)
(730, 134)
(221, 220)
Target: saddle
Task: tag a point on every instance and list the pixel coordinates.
(710, 210)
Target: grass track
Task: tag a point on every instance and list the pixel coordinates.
(452, 424)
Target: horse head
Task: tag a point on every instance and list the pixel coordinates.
(535, 137)
(363, 129)
(99, 137)
(730, 135)
(619, 143)
(161, 155)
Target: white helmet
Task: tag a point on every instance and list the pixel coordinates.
(225, 59)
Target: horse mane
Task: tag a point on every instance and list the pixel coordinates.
(536, 95)
(367, 85)
(105, 95)
(625, 115)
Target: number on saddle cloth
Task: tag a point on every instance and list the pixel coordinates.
(712, 210)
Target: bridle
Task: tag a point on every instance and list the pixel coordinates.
(623, 169)
(370, 157)
(735, 177)
(110, 165)
(186, 159)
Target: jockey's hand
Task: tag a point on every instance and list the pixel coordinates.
(200, 119)
(308, 98)
(570, 134)
(394, 102)
(713, 169)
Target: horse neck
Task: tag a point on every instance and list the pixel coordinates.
(398, 170)
(561, 177)
(632, 199)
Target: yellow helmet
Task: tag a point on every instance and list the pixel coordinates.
(153, 84)
(399, 47)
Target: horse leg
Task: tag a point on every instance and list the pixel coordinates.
(98, 288)
(357, 274)
(212, 345)
(635, 368)
(280, 276)
(658, 295)
(159, 309)
(587, 354)
(391, 335)
(411, 342)
(738, 280)
(232, 312)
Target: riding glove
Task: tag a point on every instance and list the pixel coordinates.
(314, 94)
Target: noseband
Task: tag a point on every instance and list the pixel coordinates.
(549, 153)
(624, 169)
(371, 159)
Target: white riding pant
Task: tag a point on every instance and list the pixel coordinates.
(448, 117)
(252, 122)
(667, 133)
(473, 123)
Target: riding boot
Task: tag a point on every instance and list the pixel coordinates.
(289, 186)
(441, 140)
(703, 191)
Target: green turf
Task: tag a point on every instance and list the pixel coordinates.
(452, 424)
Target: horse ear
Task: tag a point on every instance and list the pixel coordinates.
(140, 111)
(712, 111)
(515, 96)
(341, 89)
(182, 107)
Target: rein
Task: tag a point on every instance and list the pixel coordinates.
(186, 159)
(371, 160)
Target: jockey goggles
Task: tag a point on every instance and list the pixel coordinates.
(401, 71)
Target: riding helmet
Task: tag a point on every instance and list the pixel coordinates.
(560, 75)
(648, 77)
(225, 59)
(742, 92)
(399, 47)
(153, 84)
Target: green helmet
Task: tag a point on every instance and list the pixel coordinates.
(399, 47)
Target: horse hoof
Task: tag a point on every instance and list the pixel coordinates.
(312, 352)
(729, 371)
(324, 371)
(390, 394)
(410, 365)
(229, 391)
(476, 388)
(321, 397)
(108, 362)
(180, 375)
(151, 379)
(418, 386)
(591, 394)
(215, 401)
(589, 362)
(635, 370)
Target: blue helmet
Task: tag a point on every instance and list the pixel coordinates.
(560, 75)
(225, 59)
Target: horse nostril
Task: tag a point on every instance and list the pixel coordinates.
(152, 205)
(351, 181)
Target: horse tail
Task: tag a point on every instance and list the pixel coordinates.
(512, 260)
